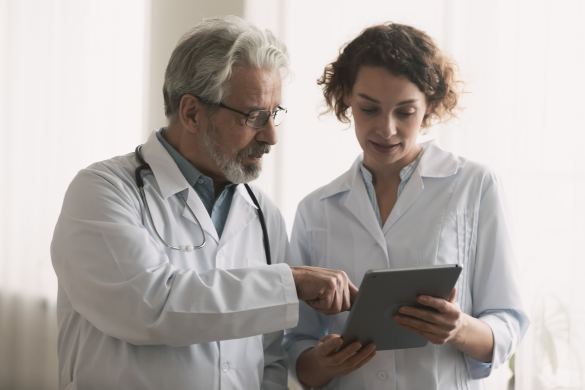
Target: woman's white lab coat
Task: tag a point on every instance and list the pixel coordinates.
(134, 314)
(451, 211)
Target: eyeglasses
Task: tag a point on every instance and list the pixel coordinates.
(258, 118)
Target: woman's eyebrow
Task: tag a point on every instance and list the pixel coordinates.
(407, 102)
(364, 96)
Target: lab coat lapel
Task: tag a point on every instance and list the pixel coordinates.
(242, 212)
(410, 192)
(171, 181)
(435, 162)
(358, 203)
(200, 212)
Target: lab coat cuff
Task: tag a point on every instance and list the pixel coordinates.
(290, 293)
(479, 370)
(293, 353)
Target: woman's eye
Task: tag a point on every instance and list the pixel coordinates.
(406, 114)
(369, 110)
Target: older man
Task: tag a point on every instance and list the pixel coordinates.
(161, 254)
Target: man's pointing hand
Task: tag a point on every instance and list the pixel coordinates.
(325, 290)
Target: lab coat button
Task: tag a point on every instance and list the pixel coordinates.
(225, 367)
(382, 375)
(220, 254)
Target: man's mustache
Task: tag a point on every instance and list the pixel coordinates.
(259, 148)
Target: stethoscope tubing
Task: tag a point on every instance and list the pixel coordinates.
(188, 248)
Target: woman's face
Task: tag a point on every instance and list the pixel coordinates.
(388, 111)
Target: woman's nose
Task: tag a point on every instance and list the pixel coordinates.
(387, 127)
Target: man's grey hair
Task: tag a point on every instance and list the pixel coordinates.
(206, 55)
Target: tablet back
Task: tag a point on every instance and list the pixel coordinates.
(383, 292)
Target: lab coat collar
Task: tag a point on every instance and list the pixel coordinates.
(171, 181)
(435, 162)
(241, 191)
(242, 212)
(168, 176)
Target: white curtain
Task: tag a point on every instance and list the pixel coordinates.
(71, 93)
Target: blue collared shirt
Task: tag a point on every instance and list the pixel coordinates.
(219, 208)
(405, 174)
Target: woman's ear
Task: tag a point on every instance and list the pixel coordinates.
(430, 108)
(191, 113)
(347, 99)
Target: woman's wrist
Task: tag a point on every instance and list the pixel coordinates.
(310, 372)
(474, 338)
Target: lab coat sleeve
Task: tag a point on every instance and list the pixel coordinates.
(117, 279)
(312, 324)
(496, 288)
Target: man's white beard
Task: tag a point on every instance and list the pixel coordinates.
(233, 170)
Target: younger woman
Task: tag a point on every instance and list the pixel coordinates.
(405, 204)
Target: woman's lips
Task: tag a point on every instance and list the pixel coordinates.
(384, 148)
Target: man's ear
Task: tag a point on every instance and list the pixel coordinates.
(191, 113)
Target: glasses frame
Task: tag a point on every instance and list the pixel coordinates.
(270, 113)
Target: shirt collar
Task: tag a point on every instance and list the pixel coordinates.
(434, 162)
(188, 170)
(169, 177)
(405, 173)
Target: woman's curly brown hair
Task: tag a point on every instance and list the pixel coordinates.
(403, 50)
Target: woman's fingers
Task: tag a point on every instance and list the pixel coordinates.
(340, 357)
(351, 360)
(359, 364)
(328, 344)
(424, 314)
(453, 293)
(440, 304)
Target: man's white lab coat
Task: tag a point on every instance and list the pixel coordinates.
(134, 314)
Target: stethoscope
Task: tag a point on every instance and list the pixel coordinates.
(188, 248)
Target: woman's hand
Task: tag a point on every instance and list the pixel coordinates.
(468, 334)
(316, 366)
(438, 328)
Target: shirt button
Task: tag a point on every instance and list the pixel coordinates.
(225, 367)
(200, 181)
(382, 375)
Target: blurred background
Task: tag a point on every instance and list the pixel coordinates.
(81, 81)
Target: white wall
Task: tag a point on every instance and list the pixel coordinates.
(168, 21)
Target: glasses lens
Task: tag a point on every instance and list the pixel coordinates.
(258, 119)
(279, 116)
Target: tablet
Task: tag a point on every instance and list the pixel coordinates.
(383, 292)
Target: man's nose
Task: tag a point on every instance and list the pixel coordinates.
(267, 133)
